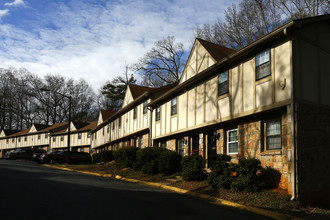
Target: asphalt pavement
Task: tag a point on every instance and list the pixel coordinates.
(31, 191)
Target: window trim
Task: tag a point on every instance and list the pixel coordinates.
(145, 110)
(174, 107)
(228, 142)
(219, 84)
(157, 116)
(278, 135)
(135, 112)
(256, 66)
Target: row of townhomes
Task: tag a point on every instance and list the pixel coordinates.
(269, 100)
(48, 137)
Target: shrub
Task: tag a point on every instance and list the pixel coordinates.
(147, 159)
(106, 156)
(169, 162)
(96, 158)
(192, 168)
(247, 175)
(219, 172)
(125, 157)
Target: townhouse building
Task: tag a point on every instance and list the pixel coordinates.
(100, 135)
(269, 100)
(130, 126)
(80, 137)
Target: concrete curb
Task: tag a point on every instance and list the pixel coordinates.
(212, 199)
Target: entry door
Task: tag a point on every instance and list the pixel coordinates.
(195, 144)
(181, 146)
(211, 147)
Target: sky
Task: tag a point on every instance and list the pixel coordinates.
(95, 39)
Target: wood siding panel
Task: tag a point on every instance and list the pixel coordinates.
(283, 71)
(211, 99)
(182, 110)
(236, 93)
(264, 94)
(248, 83)
(191, 107)
(200, 104)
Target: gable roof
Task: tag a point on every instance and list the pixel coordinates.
(217, 51)
(55, 127)
(20, 133)
(8, 132)
(137, 91)
(106, 114)
(40, 126)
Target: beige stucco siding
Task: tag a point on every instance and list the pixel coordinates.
(191, 107)
(236, 90)
(211, 99)
(223, 108)
(283, 56)
(264, 94)
(248, 82)
(182, 110)
(200, 104)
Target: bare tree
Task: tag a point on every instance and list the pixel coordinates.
(163, 64)
(252, 19)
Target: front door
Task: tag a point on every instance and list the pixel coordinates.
(195, 144)
(181, 146)
(211, 147)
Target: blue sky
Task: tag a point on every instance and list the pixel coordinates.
(93, 39)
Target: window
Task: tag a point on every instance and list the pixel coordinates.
(134, 112)
(25, 138)
(173, 106)
(12, 140)
(140, 141)
(113, 125)
(223, 83)
(232, 141)
(89, 135)
(119, 122)
(108, 128)
(263, 65)
(273, 135)
(157, 113)
(54, 139)
(62, 138)
(39, 136)
(19, 139)
(102, 131)
(82, 149)
(145, 107)
(95, 136)
(46, 136)
(79, 135)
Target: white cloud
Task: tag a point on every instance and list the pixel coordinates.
(15, 3)
(95, 41)
(3, 13)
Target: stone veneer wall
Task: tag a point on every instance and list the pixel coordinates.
(251, 145)
(313, 153)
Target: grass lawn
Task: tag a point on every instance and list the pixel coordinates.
(273, 199)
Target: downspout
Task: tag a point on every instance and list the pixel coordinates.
(150, 127)
(293, 122)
